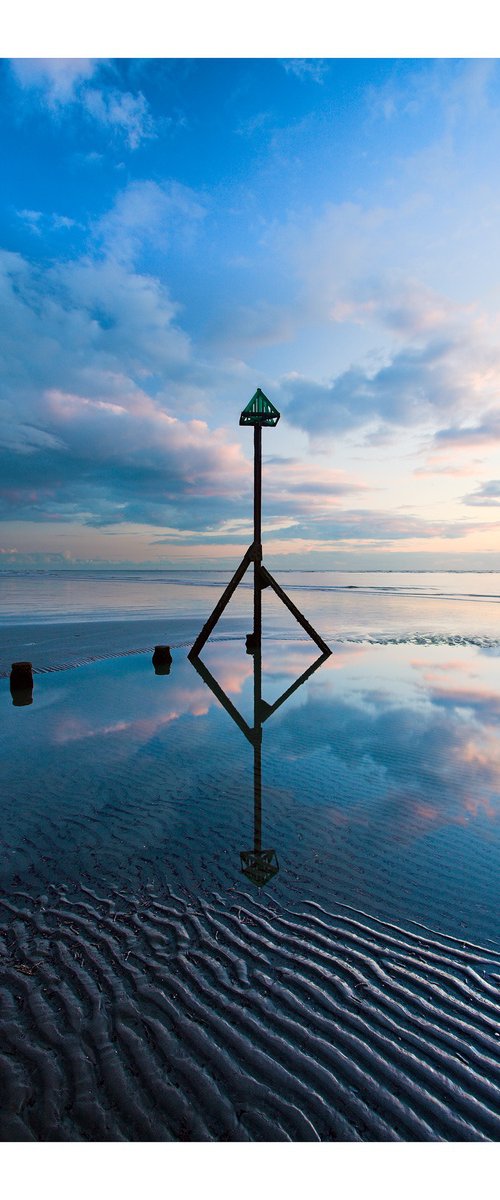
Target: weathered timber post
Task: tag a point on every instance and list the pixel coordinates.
(21, 683)
(259, 412)
(257, 531)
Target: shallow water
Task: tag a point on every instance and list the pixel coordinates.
(151, 991)
(420, 607)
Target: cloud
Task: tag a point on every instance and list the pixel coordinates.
(485, 432)
(62, 84)
(436, 466)
(487, 495)
(120, 111)
(57, 79)
(39, 222)
(401, 304)
(149, 214)
(457, 90)
(408, 390)
(80, 436)
(306, 69)
(454, 371)
(97, 422)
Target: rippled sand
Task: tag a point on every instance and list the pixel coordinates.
(157, 1017)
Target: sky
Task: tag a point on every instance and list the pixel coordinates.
(175, 232)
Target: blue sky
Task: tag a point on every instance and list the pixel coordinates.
(175, 233)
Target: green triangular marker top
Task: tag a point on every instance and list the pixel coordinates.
(259, 411)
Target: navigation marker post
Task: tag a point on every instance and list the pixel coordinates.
(259, 412)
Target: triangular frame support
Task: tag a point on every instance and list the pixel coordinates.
(259, 412)
(263, 578)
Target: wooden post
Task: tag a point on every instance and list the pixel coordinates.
(258, 412)
(257, 532)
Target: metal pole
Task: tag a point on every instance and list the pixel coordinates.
(257, 532)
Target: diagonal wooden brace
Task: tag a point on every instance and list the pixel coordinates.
(268, 579)
(221, 604)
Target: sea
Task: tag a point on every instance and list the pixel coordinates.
(381, 606)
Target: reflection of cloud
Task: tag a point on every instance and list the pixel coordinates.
(482, 700)
(75, 729)
(229, 671)
(301, 654)
(431, 765)
(183, 700)
(451, 664)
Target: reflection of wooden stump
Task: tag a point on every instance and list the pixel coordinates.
(162, 660)
(162, 668)
(259, 865)
(251, 643)
(21, 683)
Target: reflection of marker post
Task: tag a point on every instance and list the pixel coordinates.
(257, 746)
(257, 864)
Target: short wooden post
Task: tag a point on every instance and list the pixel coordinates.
(21, 683)
(162, 660)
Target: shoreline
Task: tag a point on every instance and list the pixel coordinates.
(61, 645)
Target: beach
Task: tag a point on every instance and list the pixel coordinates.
(153, 991)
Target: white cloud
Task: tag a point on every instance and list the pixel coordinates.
(307, 68)
(39, 221)
(65, 82)
(122, 111)
(449, 374)
(58, 79)
(80, 436)
(149, 213)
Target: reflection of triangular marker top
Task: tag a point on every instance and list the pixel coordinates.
(259, 411)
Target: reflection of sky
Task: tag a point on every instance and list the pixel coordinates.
(425, 725)
(380, 774)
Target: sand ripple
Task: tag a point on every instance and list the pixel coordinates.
(161, 1017)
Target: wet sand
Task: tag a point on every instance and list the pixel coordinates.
(149, 992)
(157, 1017)
(61, 645)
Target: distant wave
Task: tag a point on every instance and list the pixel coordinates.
(419, 639)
